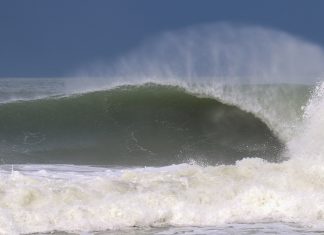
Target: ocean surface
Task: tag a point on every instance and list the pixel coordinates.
(152, 157)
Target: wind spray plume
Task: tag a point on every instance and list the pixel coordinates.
(217, 53)
(203, 58)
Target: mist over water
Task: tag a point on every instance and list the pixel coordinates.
(217, 53)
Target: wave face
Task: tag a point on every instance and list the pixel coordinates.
(132, 125)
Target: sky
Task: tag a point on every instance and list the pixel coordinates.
(43, 38)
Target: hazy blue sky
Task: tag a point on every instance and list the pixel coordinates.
(54, 38)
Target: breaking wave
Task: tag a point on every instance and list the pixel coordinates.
(223, 141)
(148, 124)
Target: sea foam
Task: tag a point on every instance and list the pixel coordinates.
(250, 191)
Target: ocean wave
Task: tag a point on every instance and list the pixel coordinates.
(148, 124)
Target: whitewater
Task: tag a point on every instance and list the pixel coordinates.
(170, 148)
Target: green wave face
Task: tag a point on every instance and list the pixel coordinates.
(132, 125)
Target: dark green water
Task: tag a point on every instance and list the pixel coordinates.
(132, 125)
